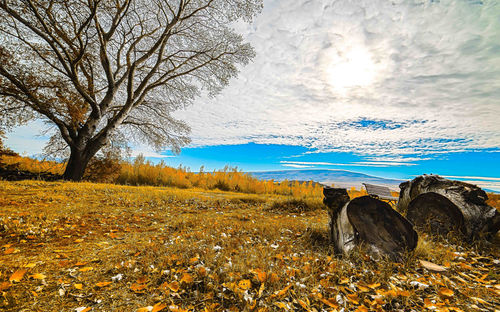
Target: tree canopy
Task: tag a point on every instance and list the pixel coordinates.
(101, 70)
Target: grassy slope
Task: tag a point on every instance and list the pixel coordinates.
(197, 249)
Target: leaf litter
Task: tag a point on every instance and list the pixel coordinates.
(105, 247)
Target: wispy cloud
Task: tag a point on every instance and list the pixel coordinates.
(297, 166)
(429, 79)
(350, 164)
(472, 178)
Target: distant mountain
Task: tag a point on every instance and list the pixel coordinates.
(340, 178)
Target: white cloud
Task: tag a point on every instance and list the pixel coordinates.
(296, 166)
(429, 79)
(25, 140)
(351, 164)
(472, 178)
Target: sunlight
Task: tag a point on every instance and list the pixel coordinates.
(353, 69)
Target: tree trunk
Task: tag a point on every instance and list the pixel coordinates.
(340, 232)
(369, 221)
(78, 161)
(440, 206)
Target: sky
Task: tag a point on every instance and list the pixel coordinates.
(390, 88)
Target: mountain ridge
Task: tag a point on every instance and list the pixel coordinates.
(338, 177)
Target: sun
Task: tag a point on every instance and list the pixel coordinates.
(354, 68)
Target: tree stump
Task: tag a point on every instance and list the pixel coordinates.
(366, 220)
(441, 206)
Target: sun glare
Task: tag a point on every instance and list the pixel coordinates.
(353, 69)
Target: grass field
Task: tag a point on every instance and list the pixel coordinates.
(101, 247)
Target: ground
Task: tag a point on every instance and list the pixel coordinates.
(101, 247)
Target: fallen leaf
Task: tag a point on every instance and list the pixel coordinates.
(281, 305)
(138, 288)
(403, 293)
(261, 289)
(428, 303)
(361, 308)
(303, 305)
(102, 284)
(158, 307)
(345, 280)
(145, 309)
(245, 284)
(282, 292)
(329, 302)
(82, 309)
(78, 286)
(353, 298)
(85, 269)
(187, 278)
(4, 286)
(479, 300)
(202, 271)
(38, 276)
(174, 286)
(374, 286)
(17, 276)
(445, 292)
(194, 260)
(10, 250)
(432, 266)
(30, 265)
(261, 275)
(274, 278)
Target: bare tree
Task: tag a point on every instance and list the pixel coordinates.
(98, 69)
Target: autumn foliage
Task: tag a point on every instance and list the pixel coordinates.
(110, 168)
(15, 161)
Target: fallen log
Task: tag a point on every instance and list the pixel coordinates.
(369, 221)
(440, 206)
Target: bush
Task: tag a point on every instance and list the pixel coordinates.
(103, 169)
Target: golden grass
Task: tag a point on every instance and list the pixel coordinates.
(120, 248)
(32, 165)
(142, 172)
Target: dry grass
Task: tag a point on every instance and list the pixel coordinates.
(141, 172)
(201, 250)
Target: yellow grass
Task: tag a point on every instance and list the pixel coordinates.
(121, 248)
(141, 172)
(32, 165)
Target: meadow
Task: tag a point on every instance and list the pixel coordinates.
(103, 247)
(143, 172)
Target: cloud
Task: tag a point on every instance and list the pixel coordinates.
(296, 166)
(25, 141)
(373, 77)
(483, 182)
(473, 178)
(354, 164)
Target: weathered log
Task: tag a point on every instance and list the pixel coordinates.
(341, 232)
(441, 206)
(366, 220)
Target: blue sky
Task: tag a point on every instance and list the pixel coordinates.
(389, 88)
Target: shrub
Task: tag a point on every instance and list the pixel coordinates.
(104, 168)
